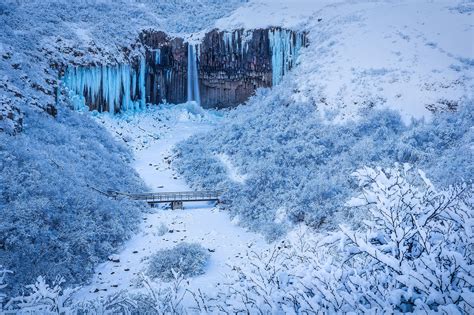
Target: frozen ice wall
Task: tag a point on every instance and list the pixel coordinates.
(284, 46)
(106, 88)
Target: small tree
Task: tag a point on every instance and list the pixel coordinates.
(416, 243)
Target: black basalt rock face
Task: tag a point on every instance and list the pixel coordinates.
(166, 64)
(232, 65)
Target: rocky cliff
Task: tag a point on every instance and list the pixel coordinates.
(231, 66)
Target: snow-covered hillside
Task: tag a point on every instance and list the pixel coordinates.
(414, 56)
(346, 188)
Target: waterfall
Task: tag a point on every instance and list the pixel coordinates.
(193, 78)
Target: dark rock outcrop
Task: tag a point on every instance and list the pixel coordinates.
(11, 118)
(232, 66)
(166, 64)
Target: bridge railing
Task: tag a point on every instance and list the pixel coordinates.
(177, 196)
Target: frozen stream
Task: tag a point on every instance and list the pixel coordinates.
(199, 222)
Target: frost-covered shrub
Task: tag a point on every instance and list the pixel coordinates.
(414, 253)
(3, 284)
(51, 298)
(443, 147)
(54, 219)
(296, 163)
(161, 297)
(43, 298)
(184, 259)
(162, 229)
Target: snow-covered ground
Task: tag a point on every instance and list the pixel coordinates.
(233, 172)
(412, 56)
(152, 135)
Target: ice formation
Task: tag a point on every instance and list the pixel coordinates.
(142, 83)
(228, 38)
(237, 41)
(127, 87)
(193, 78)
(108, 88)
(284, 46)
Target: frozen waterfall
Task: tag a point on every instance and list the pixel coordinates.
(193, 77)
(223, 70)
(285, 46)
(107, 88)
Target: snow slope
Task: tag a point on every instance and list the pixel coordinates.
(293, 14)
(413, 56)
(198, 223)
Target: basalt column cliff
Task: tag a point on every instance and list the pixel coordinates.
(222, 70)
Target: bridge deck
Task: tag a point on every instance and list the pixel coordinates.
(165, 197)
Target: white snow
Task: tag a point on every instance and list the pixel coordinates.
(152, 135)
(293, 14)
(405, 55)
(232, 171)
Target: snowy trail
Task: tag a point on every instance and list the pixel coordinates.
(200, 222)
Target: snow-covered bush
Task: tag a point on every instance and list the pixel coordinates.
(162, 229)
(118, 303)
(413, 253)
(421, 235)
(3, 284)
(442, 146)
(296, 163)
(43, 298)
(161, 297)
(155, 298)
(187, 260)
(54, 219)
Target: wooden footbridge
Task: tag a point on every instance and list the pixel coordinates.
(176, 199)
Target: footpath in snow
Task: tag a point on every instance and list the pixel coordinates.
(152, 135)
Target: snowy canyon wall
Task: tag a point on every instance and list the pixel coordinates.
(230, 67)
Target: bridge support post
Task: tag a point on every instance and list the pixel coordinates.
(176, 205)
